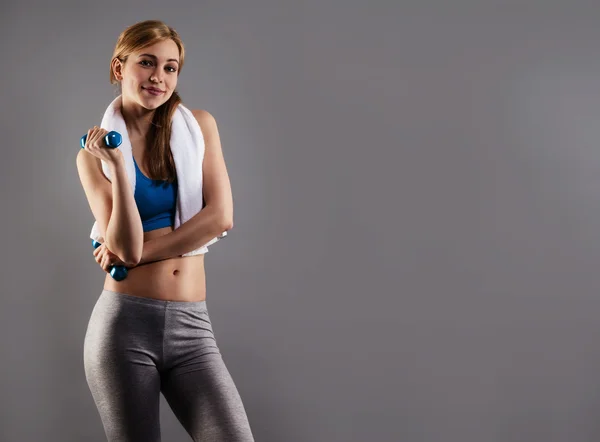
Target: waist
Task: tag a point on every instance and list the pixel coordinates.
(173, 279)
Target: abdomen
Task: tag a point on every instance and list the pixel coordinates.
(173, 279)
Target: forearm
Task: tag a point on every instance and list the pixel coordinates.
(191, 235)
(124, 233)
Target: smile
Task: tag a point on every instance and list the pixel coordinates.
(153, 91)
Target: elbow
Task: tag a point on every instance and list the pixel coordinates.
(222, 218)
(225, 223)
(135, 261)
(129, 254)
(131, 260)
(224, 214)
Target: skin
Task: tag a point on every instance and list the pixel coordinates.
(138, 105)
(184, 277)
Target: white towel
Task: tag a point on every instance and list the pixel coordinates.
(187, 146)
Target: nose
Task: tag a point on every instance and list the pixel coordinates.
(157, 75)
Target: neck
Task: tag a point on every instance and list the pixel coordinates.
(137, 118)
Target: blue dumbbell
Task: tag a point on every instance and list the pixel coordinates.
(112, 139)
(119, 273)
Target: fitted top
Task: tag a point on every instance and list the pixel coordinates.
(155, 201)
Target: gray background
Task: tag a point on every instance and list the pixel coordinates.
(417, 214)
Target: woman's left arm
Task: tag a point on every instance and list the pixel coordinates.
(217, 215)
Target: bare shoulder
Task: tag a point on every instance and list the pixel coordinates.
(205, 119)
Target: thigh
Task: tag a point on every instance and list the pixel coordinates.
(120, 368)
(127, 398)
(206, 401)
(196, 382)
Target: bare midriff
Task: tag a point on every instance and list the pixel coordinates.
(172, 279)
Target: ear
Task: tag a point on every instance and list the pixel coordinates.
(118, 69)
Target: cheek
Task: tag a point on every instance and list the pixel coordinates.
(134, 77)
(131, 81)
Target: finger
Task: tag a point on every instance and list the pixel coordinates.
(100, 133)
(109, 263)
(99, 249)
(91, 138)
(96, 135)
(87, 139)
(106, 264)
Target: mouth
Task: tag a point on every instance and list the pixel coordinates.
(152, 90)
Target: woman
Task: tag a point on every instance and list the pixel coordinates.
(151, 332)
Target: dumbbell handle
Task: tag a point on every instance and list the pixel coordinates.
(112, 139)
(118, 273)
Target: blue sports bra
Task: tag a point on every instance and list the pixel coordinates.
(155, 200)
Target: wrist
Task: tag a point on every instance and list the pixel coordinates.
(117, 161)
(153, 250)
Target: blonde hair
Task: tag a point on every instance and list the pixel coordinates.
(136, 37)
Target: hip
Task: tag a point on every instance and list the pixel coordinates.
(139, 331)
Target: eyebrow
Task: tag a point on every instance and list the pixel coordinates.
(154, 57)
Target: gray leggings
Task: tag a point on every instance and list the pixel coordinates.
(137, 347)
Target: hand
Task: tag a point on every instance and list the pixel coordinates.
(95, 145)
(108, 259)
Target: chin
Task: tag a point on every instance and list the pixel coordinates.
(153, 104)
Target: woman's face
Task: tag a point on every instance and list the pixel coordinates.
(155, 66)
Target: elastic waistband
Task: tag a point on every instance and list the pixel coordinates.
(183, 305)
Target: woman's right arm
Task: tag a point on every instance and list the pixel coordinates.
(113, 206)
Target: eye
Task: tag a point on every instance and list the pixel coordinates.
(170, 67)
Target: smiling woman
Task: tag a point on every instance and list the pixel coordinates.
(159, 273)
(155, 90)
(151, 332)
